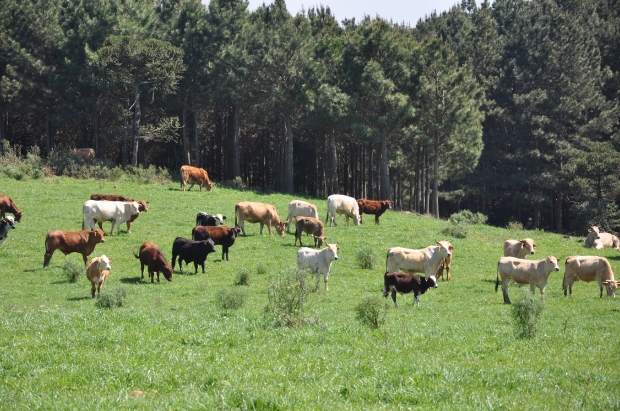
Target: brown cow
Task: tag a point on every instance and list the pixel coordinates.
(84, 153)
(589, 268)
(152, 256)
(97, 272)
(195, 175)
(312, 226)
(110, 197)
(8, 206)
(262, 213)
(221, 235)
(82, 242)
(445, 265)
(142, 207)
(375, 207)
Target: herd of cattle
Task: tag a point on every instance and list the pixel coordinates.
(402, 264)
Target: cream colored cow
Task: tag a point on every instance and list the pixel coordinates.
(587, 269)
(425, 261)
(534, 273)
(519, 249)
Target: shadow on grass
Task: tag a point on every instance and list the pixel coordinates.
(79, 298)
(133, 280)
(486, 280)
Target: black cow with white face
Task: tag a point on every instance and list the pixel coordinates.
(208, 220)
(6, 224)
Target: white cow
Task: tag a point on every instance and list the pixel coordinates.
(319, 261)
(519, 249)
(97, 272)
(599, 240)
(341, 204)
(425, 261)
(534, 273)
(6, 224)
(589, 268)
(299, 208)
(116, 211)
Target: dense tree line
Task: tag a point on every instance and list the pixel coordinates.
(511, 109)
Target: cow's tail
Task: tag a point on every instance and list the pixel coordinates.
(236, 210)
(83, 218)
(387, 257)
(497, 279)
(135, 255)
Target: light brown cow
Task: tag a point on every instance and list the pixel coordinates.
(519, 249)
(82, 242)
(534, 273)
(262, 213)
(312, 226)
(589, 268)
(445, 265)
(425, 261)
(195, 175)
(84, 153)
(97, 272)
(8, 206)
(299, 208)
(599, 240)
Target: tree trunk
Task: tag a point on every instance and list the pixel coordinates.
(558, 212)
(197, 141)
(435, 177)
(96, 131)
(427, 183)
(136, 125)
(186, 159)
(333, 155)
(416, 194)
(236, 162)
(126, 141)
(386, 190)
(371, 192)
(49, 138)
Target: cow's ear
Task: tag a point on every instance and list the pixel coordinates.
(451, 248)
(437, 241)
(535, 246)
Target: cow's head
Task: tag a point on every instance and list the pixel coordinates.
(431, 281)
(596, 231)
(104, 263)
(134, 208)
(209, 185)
(167, 270)
(220, 218)
(611, 287)
(142, 206)
(280, 227)
(554, 262)
(10, 221)
(209, 245)
(387, 204)
(333, 250)
(235, 231)
(445, 248)
(320, 240)
(528, 244)
(98, 235)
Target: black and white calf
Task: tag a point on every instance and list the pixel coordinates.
(6, 224)
(191, 251)
(407, 283)
(208, 220)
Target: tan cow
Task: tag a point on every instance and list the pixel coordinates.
(262, 213)
(534, 273)
(519, 249)
(97, 272)
(599, 240)
(195, 175)
(425, 261)
(445, 265)
(589, 268)
(298, 208)
(82, 242)
(84, 153)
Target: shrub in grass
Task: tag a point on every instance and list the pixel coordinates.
(112, 298)
(372, 311)
(287, 295)
(467, 217)
(365, 258)
(230, 298)
(527, 312)
(515, 225)
(261, 269)
(457, 231)
(243, 277)
(73, 270)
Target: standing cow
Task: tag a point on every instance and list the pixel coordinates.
(534, 273)
(208, 220)
(195, 175)
(299, 208)
(82, 242)
(8, 206)
(319, 261)
(341, 204)
(142, 206)
(312, 226)
(262, 213)
(97, 272)
(190, 251)
(425, 261)
(6, 224)
(116, 211)
(405, 283)
(222, 235)
(587, 269)
(152, 256)
(374, 207)
(519, 249)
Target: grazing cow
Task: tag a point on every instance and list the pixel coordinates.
(341, 204)
(405, 283)
(109, 197)
(152, 256)
(8, 206)
(6, 224)
(589, 268)
(116, 211)
(519, 249)
(445, 265)
(195, 175)
(425, 261)
(222, 235)
(262, 213)
(191, 251)
(298, 208)
(375, 207)
(319, 261)
(312, 226)
(534, 273)
(599, 240)
(84, 153)
(97, 272)
(208, 220)
(142, 207)
(82, 242)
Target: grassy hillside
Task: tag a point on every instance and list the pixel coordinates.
(173, 342)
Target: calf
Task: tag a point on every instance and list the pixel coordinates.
(97, 272)
(319, 261)
(191, 251)
(598, 239)
(375, 207)
(445, 265)
(519, 249)
(425, 261)
(405, 283)
(8, 206)
(262, 213)
(116, 211)
(589, 268)
(312, 226)
(195, 175)
(6, 224)
(208, 220)
(82, 242)
(224, 236)
(152, 256)
(341, 204)
(534, 273)
(299, 208)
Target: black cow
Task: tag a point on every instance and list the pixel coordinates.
(191, 251)
(407, 283)
(6, 224)
(224, 236)
(208, 220)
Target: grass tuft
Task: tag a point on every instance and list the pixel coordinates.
(456, 231)
(366, 258)
(243, 277)
(287, 295)
(73, 270)
(230, 298)
(527, 312)
(372, 312)
(112, 298)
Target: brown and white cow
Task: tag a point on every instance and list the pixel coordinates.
(299, 208)
(405, 283)
(374, 207)
(312, 226)
(97, 272)
(519, 249)
(425, 261)
(587, 269)
(341, 204)
(101, 211)
(84, 153)
(142, 206)
(598, 239)
(262, 213)
(534, 273)
(195, 175)
(152, 256)
(8, 206)
(82, 242)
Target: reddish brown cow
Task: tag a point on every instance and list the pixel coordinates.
(82, 242)
(8, 206)
(142, 207)
(375, 207)
(152, 256)
(445, 265)
(221, 235)
(109, 197)
(195, 175)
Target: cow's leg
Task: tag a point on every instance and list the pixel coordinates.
(46, 258)
(505, 292)
(269, 227)
(542, 293)
(448, 273)
(142, 269)
(157, 275)
(196, 268)
(347, 218)
(190, 187)
(416, 299)
(99, 286)
(600, 286)
(99, 223)
(203, 267)
(180, 264)
(533, 288)
(326, 276)
(318, 279)
(376, 219)
(394, 297)
(85, 257)
(92, 289)
(128, 227)
(261, 229)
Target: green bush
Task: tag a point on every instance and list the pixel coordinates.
(372, 311)
(112, 298)
(14, 166)
(230, 298)
(243, 277)
(515, 225)
(261, 269)
(73, 270)
(527, 312)
(287, 295)
(365, 258)
(467, 217)
(457, 231)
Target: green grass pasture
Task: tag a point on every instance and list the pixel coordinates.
(458, 350)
